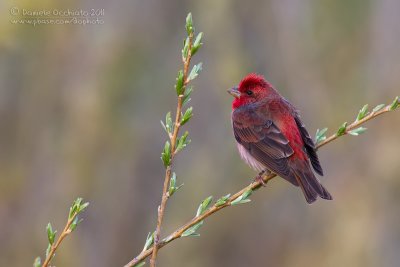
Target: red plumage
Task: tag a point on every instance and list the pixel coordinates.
(271, 135)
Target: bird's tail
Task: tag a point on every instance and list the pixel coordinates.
(307, 181)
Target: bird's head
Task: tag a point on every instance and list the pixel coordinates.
(252, 88)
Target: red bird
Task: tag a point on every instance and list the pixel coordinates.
(272, 137)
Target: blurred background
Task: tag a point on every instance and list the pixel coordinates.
(80, 107)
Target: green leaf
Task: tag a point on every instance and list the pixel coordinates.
(247, 193)
(242, 201)
(82, 207)
(320, 135)
(37, 262)
(139, 264)
(167, 239)
(75, 223)
(50, 233)
(172, 185)
(149, 240)
(78, 201)
(395, 104)
(72, 210)
(204, 205)
(194, 234)
(75, 207)
(179, 83)
(182, 142)
(377, 108)
(179, 186)
(166, 154)
(187, 116)
(222, 200)
(243, 198)
(342, 129)
(185, 49)
(48, 250)
(192, 230)
(186, 96)
(168, 126)
(195, 71)
(189, 24)
(362, 113)
(197, 43)
(357, 131)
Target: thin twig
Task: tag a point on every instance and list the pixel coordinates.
(173, 138)
(254, 185)
(67, 230)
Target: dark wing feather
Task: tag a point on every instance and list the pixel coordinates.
(309, 145)
(264, 141)
(309, 184)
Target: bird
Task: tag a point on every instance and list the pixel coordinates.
(271, 136)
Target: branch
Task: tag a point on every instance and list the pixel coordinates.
(72, 222)
(241, 196)
(170, 150)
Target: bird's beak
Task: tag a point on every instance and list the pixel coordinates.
(234, 92)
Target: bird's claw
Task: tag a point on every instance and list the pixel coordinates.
(259, 178)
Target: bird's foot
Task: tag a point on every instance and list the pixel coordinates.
(260, 177)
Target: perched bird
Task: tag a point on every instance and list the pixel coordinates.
(271, 136)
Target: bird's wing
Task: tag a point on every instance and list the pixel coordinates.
(309, 145)
(263, 140)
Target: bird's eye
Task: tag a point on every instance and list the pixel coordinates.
(249, 92)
